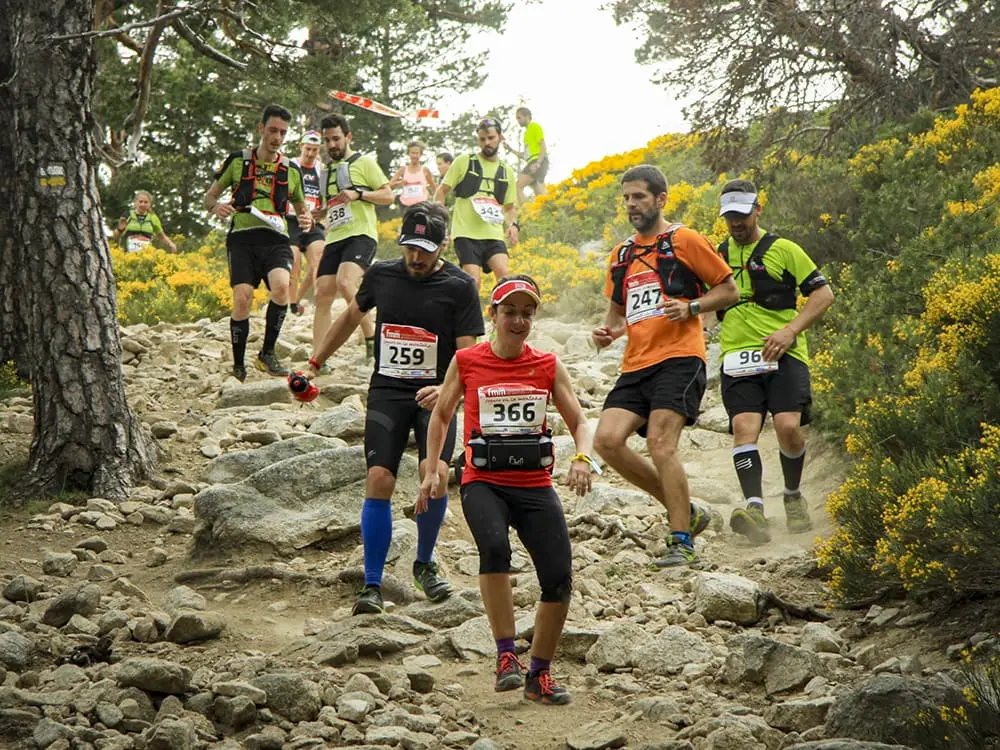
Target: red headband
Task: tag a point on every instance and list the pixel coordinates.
(508, 288)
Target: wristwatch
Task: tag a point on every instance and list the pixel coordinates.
(694, 308)
(360, 193)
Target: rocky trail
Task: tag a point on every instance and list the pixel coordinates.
(212, 608)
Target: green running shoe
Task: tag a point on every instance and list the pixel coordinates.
(751, 523)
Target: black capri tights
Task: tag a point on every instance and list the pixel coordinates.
(537, 516)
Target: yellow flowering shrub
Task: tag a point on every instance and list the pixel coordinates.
(154, 285)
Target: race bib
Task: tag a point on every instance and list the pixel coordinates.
(277, 223)
(414, 193)
(747, 362)
(512, 409)
(407, 352)
(488, 209)
(314, 202)
(339, 215)
(137, 243)
(642, 295)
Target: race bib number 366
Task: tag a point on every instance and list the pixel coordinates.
(642, 295)
(512, 409)
(747, 362)
(407, 352)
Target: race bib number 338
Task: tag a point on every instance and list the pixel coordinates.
(512, 409)
(339, 215)
(407, 352)
(747, 362)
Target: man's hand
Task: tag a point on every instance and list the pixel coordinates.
(675, 309)
(778, 343)
(513, 235)
(305, 221)
(602, 337)
(427, 396)
(223, 210)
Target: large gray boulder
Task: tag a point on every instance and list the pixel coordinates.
(238, 465)
(289, 504)
(778, 666)
(725, 596)
(884, 709)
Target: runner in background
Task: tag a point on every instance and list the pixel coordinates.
(414, 181)
(535, 155)
(311, 243)
(140, 227)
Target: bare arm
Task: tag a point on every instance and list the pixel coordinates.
(397, 179)
(381, 197)
(304, 215)
(782, 340)
(340, 330)
(614, 326)
(431, 184)
(448, 396)
(570, 410)
(167, 242)
(428, 395)
(441, 193)
(510, 218)
(217, 207)
(543, 150)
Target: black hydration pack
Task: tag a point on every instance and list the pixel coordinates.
(473, 180)
(512, 452)
(245, 193)
(676, 279)
(768, 292)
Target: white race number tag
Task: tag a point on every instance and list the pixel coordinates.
(407, 352)
(339, 215)
(277, 223)
(413, 192)
(488, 209)
(642, 295)
(747, 362)
(512, 409)
(137, 243)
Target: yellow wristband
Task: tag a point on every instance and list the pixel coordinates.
(590, 462)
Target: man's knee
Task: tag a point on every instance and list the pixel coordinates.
(787, 428)
(242, 299)
(325, 289)
(380, 482)
(607, 441)
(661, 447)
(346, 287)
(559, 592)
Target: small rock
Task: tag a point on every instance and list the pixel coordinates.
(59, 564)
(596, 736)
(22, 588)
(192, 627)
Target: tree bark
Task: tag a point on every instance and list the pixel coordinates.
(58, 302)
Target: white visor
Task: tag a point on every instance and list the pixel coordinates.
(740, 203)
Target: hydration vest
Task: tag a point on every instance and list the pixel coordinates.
(473, 180)
(343, 169)
(246, 192)
(676, 278)
(768, 292)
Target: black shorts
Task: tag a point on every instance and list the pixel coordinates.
(478, 252)
(537, 175)
(676, 384)
(788, 389)
(253, 253)
(359, 249)
(537, 516)
(302, 240)
(392, 413)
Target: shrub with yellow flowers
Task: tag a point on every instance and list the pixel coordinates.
(156, 286)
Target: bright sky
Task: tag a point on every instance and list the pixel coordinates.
(576, 71)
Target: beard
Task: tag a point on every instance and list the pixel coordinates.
(490, 151)
(644, 222)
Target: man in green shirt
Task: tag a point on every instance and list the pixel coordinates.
(535, 155)
(765, 362)
(355, 185)
(485, 202)
(257, 244)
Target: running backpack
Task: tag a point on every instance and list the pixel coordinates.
(341, 172)
(768, 292)
(245, 193)
(676, 279)
(473, 180)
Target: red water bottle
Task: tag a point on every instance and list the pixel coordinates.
(301, 387)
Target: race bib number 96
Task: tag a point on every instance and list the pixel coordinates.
(642, 295)
(407, 352)
(512, 409)
(747, 362)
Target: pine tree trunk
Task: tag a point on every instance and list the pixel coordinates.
(57, 290)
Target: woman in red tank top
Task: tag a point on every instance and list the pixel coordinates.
(507, 482)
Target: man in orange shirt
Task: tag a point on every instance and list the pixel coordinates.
(657, 282)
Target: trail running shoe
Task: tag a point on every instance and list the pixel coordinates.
(369, 602)
(700, 518)
(510, 672)
(751, 523)
(797, 514)
(541, 688)
(270, 364)
(678, 553)
(426, 578)
(240, 373)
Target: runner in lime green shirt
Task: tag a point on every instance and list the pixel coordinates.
(140, 227)
(355, 185)
(485, 202)
(257, 244)
(765, 362)
(535, 155)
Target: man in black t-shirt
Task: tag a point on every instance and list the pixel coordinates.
(427, 309)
